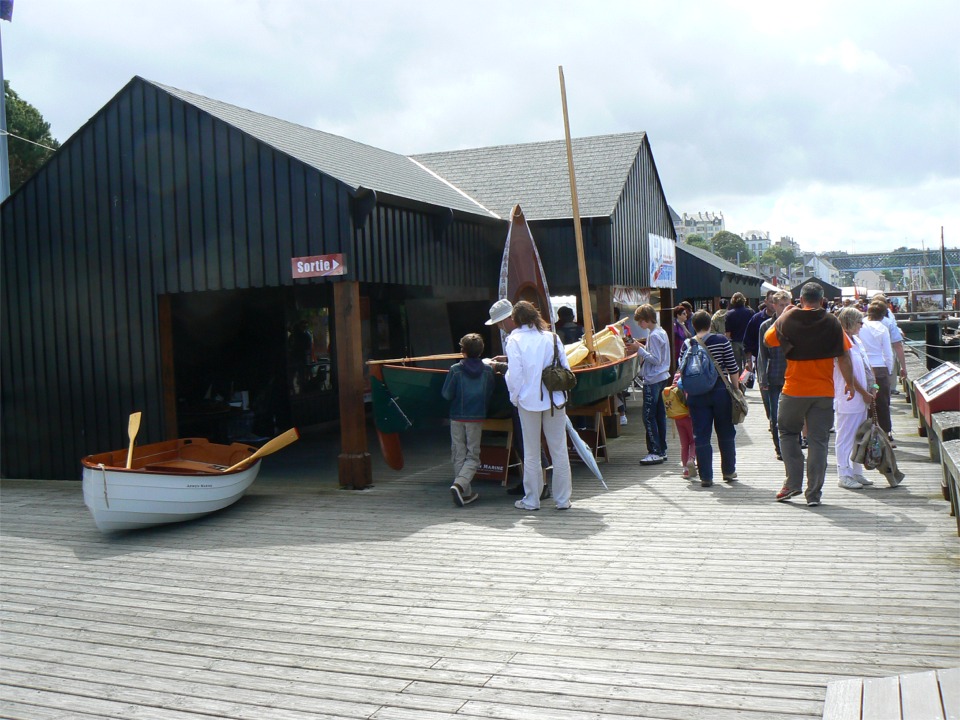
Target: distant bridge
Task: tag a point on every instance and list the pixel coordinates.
(894, 260)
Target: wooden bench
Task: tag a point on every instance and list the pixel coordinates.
(931, 695)
(944, 425)
(950, 463)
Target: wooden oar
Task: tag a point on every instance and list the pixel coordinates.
(278, 443)
(133, 427)
(422, 358)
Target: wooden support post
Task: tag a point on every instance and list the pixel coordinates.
(354, 459)
(666, 322)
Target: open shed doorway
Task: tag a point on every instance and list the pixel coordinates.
(230, 364)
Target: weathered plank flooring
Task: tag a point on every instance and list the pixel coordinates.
(656, 599)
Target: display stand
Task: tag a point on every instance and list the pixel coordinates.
(595, 437)
(496, 460)
(937, 391)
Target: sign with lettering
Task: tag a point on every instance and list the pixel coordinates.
(318, 266)
(663, 262)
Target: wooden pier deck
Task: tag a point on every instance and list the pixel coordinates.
(655, 599)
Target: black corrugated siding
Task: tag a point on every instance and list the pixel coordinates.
(151, 196)
(642, 209)
(557, 245)
(617, 249)
(700, 280)
(155, 196)
(401, 246)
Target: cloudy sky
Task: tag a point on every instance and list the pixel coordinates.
(836, 123)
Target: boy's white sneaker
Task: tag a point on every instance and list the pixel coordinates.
(849, 483)
(862, 480)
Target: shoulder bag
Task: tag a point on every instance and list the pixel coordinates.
(738, 402)
(556, 378)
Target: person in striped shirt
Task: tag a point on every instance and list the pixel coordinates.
(713, 410)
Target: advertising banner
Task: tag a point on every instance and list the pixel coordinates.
(663, 262)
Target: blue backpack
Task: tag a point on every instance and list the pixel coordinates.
(698, 374)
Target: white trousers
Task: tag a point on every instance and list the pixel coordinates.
(554, 429)
(846, 424)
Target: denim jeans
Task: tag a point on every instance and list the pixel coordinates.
(713, 411)
(771, 403)
(655, 417)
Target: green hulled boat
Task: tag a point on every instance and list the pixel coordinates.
(409, 396)
(406, 393)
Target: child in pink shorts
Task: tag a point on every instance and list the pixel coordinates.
(681, 416)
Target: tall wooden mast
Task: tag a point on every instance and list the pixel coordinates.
(577, 230)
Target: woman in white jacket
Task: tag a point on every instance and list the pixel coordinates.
(850, 413)
(530, 349)
(876, 340)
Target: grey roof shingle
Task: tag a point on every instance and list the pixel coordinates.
(352, 163)
(535, 175)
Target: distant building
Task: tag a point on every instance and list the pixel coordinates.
(820, 267)
(871, 279)
(788, 242)
(706, 224)
(757, 240)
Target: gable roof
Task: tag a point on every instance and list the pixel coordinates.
(352, 163)
(715, 260)
(535, 175)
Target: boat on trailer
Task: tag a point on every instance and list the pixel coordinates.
(167, 482)
(406, 392)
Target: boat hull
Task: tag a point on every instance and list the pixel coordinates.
(412, 394)
(168, 483)
(596, 383)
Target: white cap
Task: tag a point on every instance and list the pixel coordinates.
(499, 311)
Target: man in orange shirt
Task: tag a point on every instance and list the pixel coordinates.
(811, 338)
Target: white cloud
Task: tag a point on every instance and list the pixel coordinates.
(815, 120)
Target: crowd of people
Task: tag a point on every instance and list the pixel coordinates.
(819, 370)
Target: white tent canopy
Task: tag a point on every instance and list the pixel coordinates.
(849, 291)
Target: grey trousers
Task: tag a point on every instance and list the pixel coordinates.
(465, 452)
(818, 414)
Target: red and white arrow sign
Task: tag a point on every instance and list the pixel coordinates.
(317, 266)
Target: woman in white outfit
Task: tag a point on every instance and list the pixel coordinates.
(849, 414)
(530, 349)
(876, 341)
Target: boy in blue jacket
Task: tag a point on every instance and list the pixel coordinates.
(468, 387)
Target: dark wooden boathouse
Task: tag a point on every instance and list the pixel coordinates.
(621, 203)
(704, 278)
(148, 266)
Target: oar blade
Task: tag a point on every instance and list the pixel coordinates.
(133, 427)
(278, 443)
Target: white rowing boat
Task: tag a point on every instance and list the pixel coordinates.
(167, 482)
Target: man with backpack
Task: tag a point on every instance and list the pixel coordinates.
(708, 399)
(655, 354)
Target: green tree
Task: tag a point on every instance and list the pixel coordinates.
(779, 256)
(26, 127)
(728, 245)
(698, 241)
